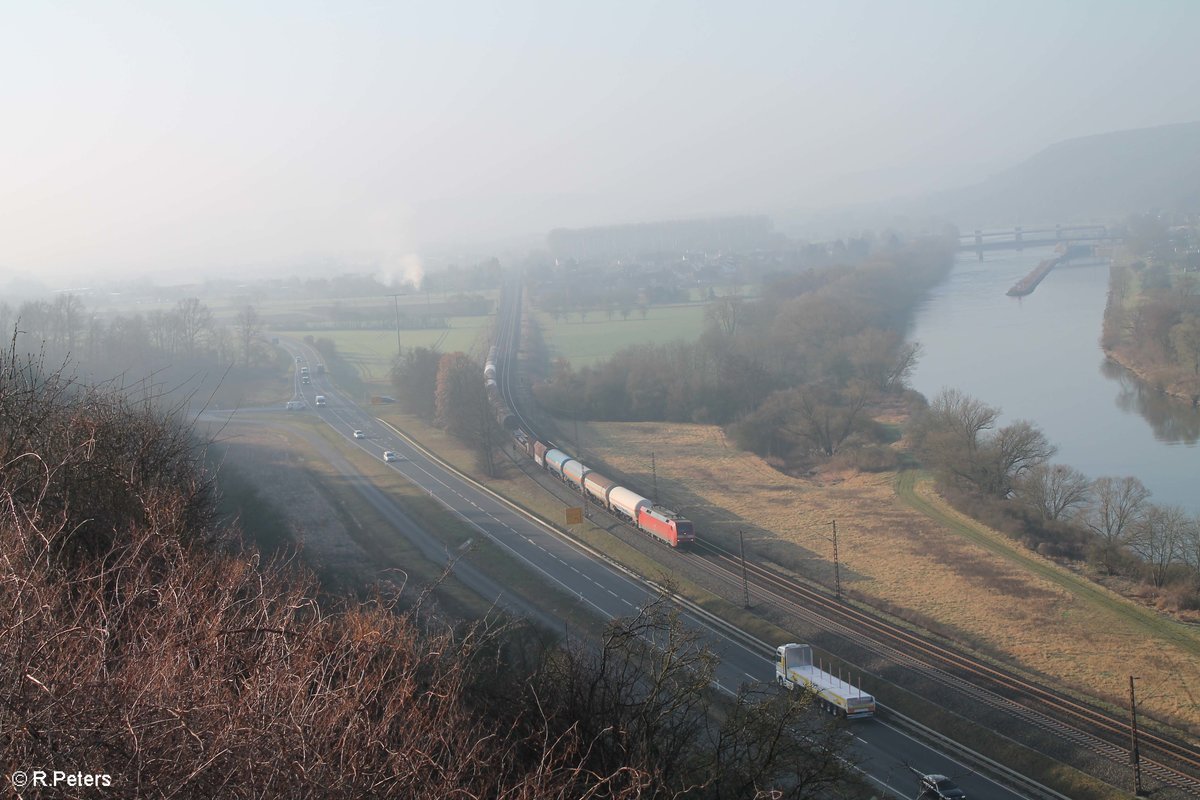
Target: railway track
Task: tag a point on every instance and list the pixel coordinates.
(1174, 763)
(1030, 703)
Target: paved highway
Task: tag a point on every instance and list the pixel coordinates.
(881, 750)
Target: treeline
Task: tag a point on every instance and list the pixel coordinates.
(790, 373)
(139, 639)
(1003, 476)
(409, 316)
(374, 322)
(486, 274)
(562, 303)
(1152, 319)
(187, 334)
(446, 389)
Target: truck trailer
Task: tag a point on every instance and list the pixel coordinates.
(794, 667)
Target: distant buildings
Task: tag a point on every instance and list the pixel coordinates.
(627, 241)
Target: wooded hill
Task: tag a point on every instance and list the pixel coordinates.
(1106, 176)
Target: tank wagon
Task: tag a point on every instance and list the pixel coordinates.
(554, 461)
(489, 366)
(659, 522)
(504, 415)
(627, 503)
(599, 487)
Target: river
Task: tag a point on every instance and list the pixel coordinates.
(1039, 358)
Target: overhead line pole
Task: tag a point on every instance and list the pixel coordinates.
(1134, 756)
(837, 569)
(396, 303)
(745, 582)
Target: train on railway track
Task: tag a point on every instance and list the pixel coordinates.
(656, 521)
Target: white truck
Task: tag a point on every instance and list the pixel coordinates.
(794, 667)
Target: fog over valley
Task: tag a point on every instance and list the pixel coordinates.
(186, 139)
(633, 400)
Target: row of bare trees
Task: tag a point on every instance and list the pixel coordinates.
(958, 435)
(189, 331)
(1110, 520)
(137, 639)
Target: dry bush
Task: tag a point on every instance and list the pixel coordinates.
(868, 458)
(95, 463)
(186, 674)
(1054, 539)
(137, 639)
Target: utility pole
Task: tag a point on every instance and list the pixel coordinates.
(1134, 756)
(654, 475)
(396, 302)
(837, 569)
(745, 583)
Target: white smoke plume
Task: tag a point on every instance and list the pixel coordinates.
(398, 270)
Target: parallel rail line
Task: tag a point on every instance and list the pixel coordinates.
(988, 685)
(1086, 727)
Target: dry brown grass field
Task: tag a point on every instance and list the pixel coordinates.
(954, 577)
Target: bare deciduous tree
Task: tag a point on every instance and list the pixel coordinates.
(192, 320)
(825, 419)
(953, 436)
(462, 407)
(1159, 539)
(1053, 490)
(248, 326)
(1190, 552)
(883, 359)
(162, 330)
(726, 313)
(1116, 506)
(961, 416)
(1013, 450)
(67, 315)
(643, 697)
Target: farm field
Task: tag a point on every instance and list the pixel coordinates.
(982, 592)
(281, 308)
(371, 352)
(585, 343)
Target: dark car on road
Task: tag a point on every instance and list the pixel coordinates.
(939, 787)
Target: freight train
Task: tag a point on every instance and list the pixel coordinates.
(655, 520)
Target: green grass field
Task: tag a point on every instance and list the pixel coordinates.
(371, 352)
(585, 343)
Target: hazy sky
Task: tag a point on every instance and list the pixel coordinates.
(171, 136)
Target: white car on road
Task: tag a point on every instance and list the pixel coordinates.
(388, 455)
(359, 435)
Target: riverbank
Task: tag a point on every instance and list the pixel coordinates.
(1185, 391)
(1040, 359)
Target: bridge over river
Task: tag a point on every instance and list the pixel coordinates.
(1019, 238)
